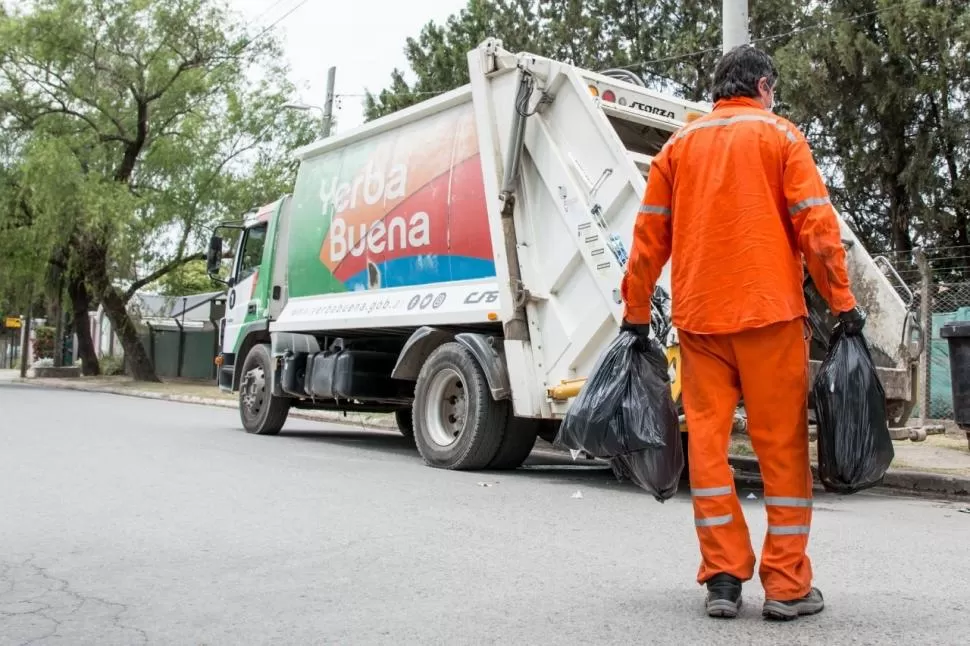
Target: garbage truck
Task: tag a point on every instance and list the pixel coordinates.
(458, 264)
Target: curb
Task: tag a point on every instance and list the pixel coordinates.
(316, 416)
(900, 480)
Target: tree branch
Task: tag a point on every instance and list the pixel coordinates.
(158, 273)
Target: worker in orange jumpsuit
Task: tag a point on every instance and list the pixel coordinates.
(735, 201)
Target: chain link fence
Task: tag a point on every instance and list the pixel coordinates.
(945, 277)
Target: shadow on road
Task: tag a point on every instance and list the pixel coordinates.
(372, 440)
(544, 464)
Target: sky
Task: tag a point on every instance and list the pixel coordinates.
(364, 39)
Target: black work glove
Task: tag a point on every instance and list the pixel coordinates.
(853, 321)
(641, 330)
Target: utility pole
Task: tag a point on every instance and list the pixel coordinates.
(734, 24)
(328, 105)
(926, 321)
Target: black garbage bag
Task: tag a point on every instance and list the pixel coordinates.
(625, 413)
(855, 448)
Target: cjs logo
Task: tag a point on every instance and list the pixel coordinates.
(481, 297)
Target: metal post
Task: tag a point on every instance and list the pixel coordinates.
(25, 344)
(926, 322)
(178, 370)
(734, 24)
(328, 105)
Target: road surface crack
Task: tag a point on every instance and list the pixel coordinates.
(31, 591)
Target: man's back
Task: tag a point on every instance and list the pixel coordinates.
(735, 260)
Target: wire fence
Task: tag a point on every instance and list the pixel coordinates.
(944, 276)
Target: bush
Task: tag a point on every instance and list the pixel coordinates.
(43, 343)
(112, 366)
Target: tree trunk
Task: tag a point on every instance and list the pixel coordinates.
(136, 358)
(77, 291)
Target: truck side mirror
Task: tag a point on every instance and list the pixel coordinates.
(213, 257)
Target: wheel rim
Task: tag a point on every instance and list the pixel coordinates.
(447, 407)
(253, 391)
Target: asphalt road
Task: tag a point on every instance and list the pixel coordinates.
(127, 521)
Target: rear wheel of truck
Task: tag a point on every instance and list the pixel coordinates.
(404, 417)
(457, 424)
(260, 411)
(517, 442)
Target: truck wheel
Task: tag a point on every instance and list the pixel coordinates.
(260, 411)
(517, 442)
(405, 421)
(457, 424)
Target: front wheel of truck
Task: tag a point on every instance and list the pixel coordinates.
(457, 424)
(260, 411)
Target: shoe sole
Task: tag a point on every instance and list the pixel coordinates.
(723, 609)
(778, 611)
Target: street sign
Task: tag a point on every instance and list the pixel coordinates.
(11, 322)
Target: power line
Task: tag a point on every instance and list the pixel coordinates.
(764, 39)
(273, 24)
(267, 10)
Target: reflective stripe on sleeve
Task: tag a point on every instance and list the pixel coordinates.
(788, 530)
(807, 204)
(776, 501)
(650, 209)
(710, 491)
(714, 521)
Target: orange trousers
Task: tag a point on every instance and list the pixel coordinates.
(769, 367)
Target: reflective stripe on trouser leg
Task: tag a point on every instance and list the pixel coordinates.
(710, 396)
(773, 364)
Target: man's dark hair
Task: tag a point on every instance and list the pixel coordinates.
(738, 72)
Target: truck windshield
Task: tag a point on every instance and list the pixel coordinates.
(252, 253)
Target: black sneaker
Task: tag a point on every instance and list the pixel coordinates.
(723, 596)
(811, 604)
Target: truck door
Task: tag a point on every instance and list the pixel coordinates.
(242, 301)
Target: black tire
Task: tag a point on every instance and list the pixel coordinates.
(405, 421)
(261, 413)
(457, 424)
(517, 442)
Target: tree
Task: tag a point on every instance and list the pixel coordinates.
(672, 44)
(141, 127)
(437, 55)
(883, 93)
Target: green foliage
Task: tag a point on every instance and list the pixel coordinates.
(112, 366)
(883, 92)
(188, 279)
(129, 128)
(672, 44)
(43, 343)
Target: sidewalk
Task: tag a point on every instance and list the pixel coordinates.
(190, 392)
(938, 466)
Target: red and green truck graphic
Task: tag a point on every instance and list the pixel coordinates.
(401, 209)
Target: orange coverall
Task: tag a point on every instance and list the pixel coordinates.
(735, 200)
